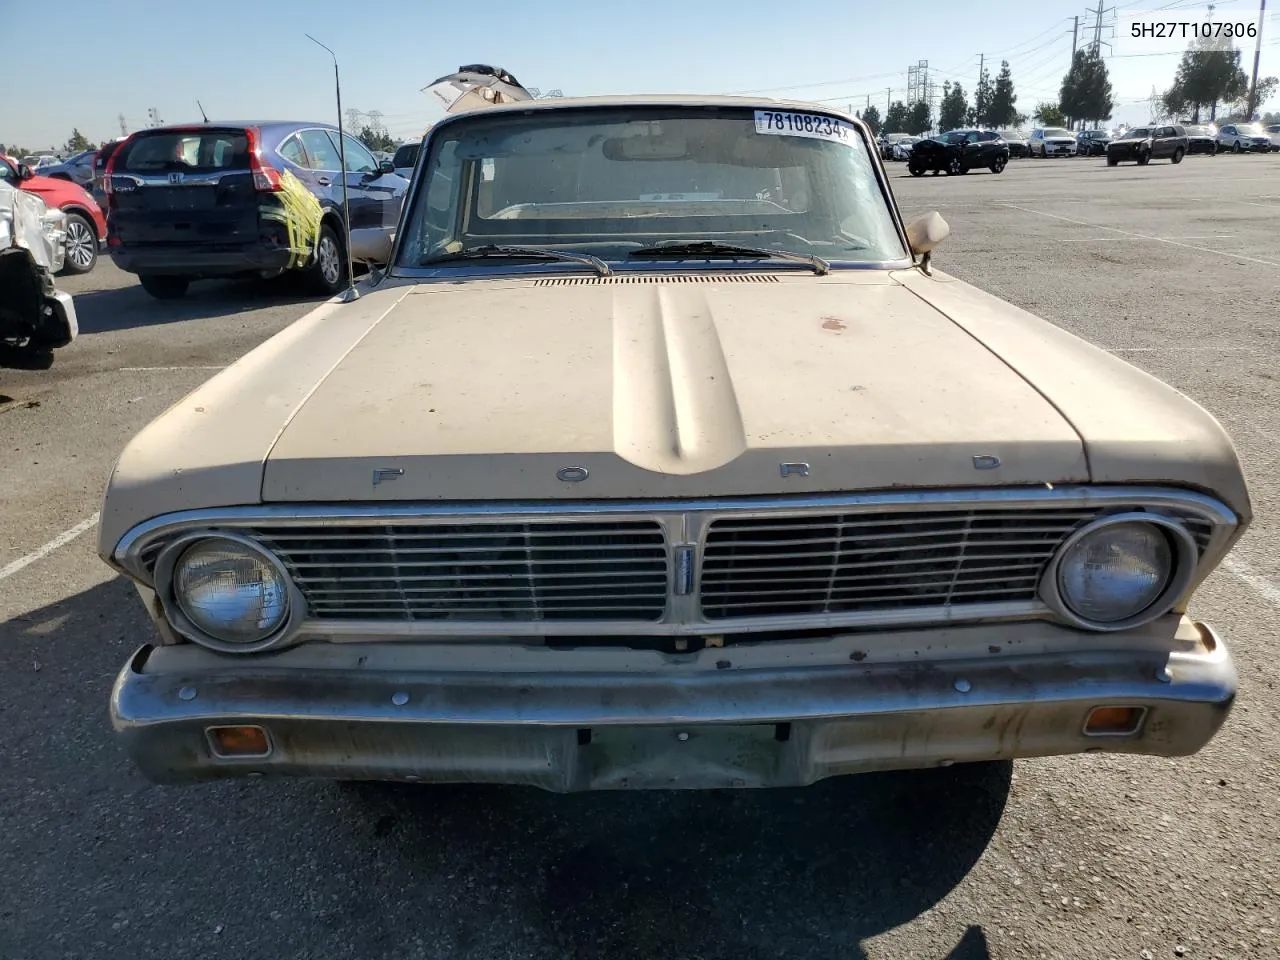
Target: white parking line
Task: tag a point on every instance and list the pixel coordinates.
(61, 540)
(145, 369)
(1214, 236)
(1245, 573)
(1143, 236)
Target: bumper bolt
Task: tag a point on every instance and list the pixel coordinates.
(963, 685)
(399, 698)
(187, 693)
(1164, 676)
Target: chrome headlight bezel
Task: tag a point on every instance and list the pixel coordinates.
(1185, 556)
(166, 564)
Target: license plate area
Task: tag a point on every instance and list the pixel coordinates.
(690, 756)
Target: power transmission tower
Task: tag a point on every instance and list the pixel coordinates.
(375, 120)
(124, 130)
(1097, 28)
(153, 117)
(353, 118)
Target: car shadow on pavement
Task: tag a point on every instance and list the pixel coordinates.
(374, 870)
(748, 875)
(123, 308)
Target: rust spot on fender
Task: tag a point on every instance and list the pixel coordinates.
(834, 324)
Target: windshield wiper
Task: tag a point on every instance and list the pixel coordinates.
(712, 249)
(496, 250)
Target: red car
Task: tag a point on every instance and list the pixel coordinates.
(86, 226)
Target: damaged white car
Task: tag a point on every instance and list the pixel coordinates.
(35, 318)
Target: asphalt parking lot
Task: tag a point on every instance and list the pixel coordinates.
(1174, 268)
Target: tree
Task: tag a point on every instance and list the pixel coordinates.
(1207, 75)
(954, 107)
(895, 121)
(1050, 115)
(1266, 87)
(1001, 111)
(377, 139)
(919, 118)
(983, 94)
(1086, 89)
(78, 142)
(871, 117)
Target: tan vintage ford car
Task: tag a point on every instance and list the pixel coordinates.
(660, 456)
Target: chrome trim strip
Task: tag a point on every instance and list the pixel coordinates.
(685, 523)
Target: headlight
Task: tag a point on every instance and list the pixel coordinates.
(235, 595)
(1121, 571)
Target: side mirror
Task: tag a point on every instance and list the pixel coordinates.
(386, 166)
(927, 232)
(25, 172)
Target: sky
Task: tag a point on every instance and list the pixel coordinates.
(251, 60)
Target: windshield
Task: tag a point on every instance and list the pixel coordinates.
(1057, 132)
(955, 136)
(1137, 134)
(201, 151)
(609, 182)
(1250, 129)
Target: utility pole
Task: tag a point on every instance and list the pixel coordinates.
(888, 100)
(1075, 34)
(978, 110)
(1097, 29)
(124, 131)
(1257, 53)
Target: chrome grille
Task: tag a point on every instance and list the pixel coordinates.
(852, 562)
(596, 568)
(478, 571)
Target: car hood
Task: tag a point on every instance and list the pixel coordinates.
(620, 388)
(665, 389)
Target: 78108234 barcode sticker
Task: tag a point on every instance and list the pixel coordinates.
(816, 126)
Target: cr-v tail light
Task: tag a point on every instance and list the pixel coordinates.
(266, 178)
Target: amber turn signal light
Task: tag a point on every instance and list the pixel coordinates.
(246, 741)
(1114, 721)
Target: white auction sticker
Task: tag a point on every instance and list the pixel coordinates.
(816, 126)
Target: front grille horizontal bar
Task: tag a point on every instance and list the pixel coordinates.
(748, 564)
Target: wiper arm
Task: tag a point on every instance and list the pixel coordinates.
(715, 249)
(496, 250)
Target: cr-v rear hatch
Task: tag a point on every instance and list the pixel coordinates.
(192, 185)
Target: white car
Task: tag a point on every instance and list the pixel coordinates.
(1273, 133)
(1051, 142)
(1244, 137)
(35, 318)
(901, 149)
(406, 158)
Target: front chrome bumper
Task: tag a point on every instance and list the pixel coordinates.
(758, 715)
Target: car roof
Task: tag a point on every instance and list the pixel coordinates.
(224, 124)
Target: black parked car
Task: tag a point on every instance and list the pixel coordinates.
(959, 151)
(1202, 139)
(1092, 143)
(1144, 144)
(246, 199)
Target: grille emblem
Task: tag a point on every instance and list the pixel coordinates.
(572, 474)
(382, 474)
(794, 469)
(175, 178)
(684, 571)
(986, 462)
